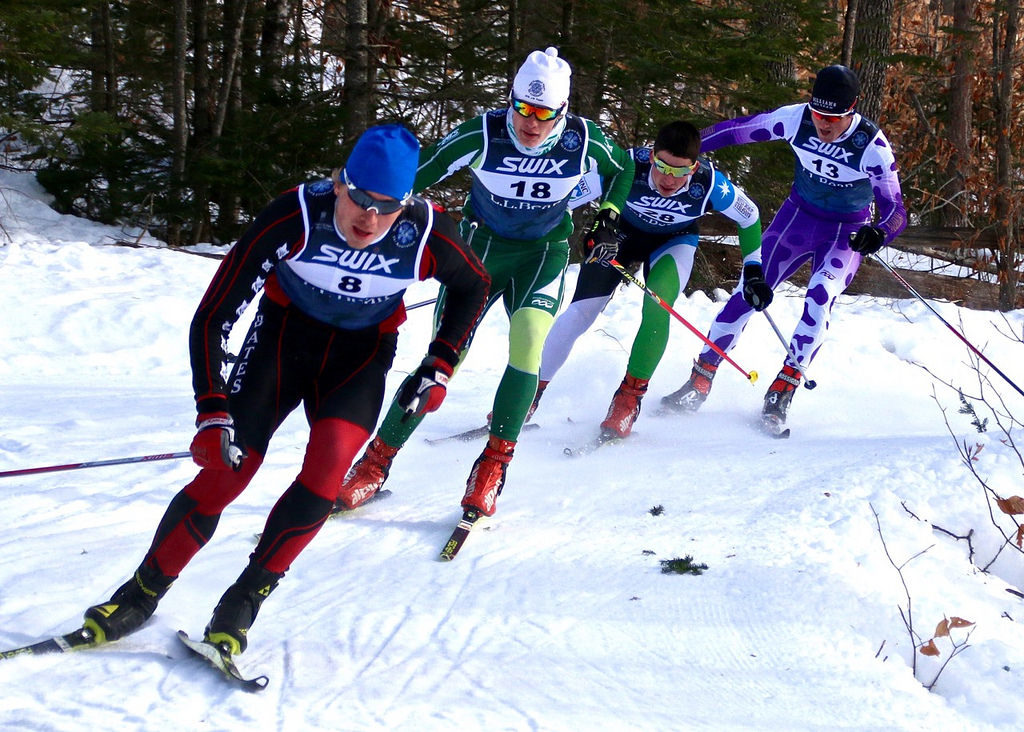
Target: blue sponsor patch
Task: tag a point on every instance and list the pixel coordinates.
(696, 191)
(321, 187)
(642, 154)
(860, 139)
(406, 233)
(571, 140)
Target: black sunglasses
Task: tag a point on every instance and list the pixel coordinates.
(368, 203)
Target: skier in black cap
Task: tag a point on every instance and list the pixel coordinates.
(844, 164)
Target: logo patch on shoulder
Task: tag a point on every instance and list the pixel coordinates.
(642, 154)
(320, 187)
(696, 190)
(406, 233)
(860, 139)
(571, 140)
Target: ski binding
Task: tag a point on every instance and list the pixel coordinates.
(223, 662)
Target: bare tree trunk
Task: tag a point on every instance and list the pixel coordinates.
(202, 120)
(357, 50)
(202, 113)
(380, 13)
(103, 87)
(775, 17)
(513, 41)
(849, 30)
(589, 93)
(104, 71)
(961, 121)
(272, 41)
(871, 47)
(234, 22)
(468, 23)
(179, 134)
(566, 34)
(1004, 41)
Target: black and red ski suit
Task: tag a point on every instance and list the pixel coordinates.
(324, 336)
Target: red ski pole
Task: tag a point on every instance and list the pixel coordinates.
(95, 464)
(626, 275)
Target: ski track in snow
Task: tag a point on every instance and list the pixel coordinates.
(555, 615)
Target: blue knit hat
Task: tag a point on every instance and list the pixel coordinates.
(384, 161)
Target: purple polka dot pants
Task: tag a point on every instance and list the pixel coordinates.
(794, 237)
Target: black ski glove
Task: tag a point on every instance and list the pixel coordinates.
(602, 242)
(756, 291)
(425, 390)
(868, 240)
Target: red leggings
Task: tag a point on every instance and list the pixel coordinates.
(191, 518)
(287, 359)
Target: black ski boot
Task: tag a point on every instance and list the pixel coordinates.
(693, 393)
(780, 395)
(237, 609)
(129, 607)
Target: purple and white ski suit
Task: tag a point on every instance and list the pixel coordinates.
(833, 189)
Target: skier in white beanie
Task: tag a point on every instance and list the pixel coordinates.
(525, 161)
(543, 79)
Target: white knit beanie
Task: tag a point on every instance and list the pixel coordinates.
(543, 79)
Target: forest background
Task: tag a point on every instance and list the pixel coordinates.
(184, 118)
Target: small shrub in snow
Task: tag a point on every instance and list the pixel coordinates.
(682, 566)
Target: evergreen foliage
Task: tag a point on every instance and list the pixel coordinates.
(88, 89)
(275, 92)
(685, 565)
(981, 425)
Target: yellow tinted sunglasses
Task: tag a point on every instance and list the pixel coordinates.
(680, 172)
(544, 114)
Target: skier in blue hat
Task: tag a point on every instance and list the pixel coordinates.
(333, 259)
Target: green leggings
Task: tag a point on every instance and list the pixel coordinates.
(529, 279)
(652, 336)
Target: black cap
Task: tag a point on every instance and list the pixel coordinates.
(835, 90)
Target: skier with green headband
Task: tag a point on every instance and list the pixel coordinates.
(525, 162)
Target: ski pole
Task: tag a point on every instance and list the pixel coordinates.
(935, 312)
(431, 301)
(810, 384)
(416, 402)
(626, 275)
(96, 464)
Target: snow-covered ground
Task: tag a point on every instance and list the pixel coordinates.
(556, 615)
